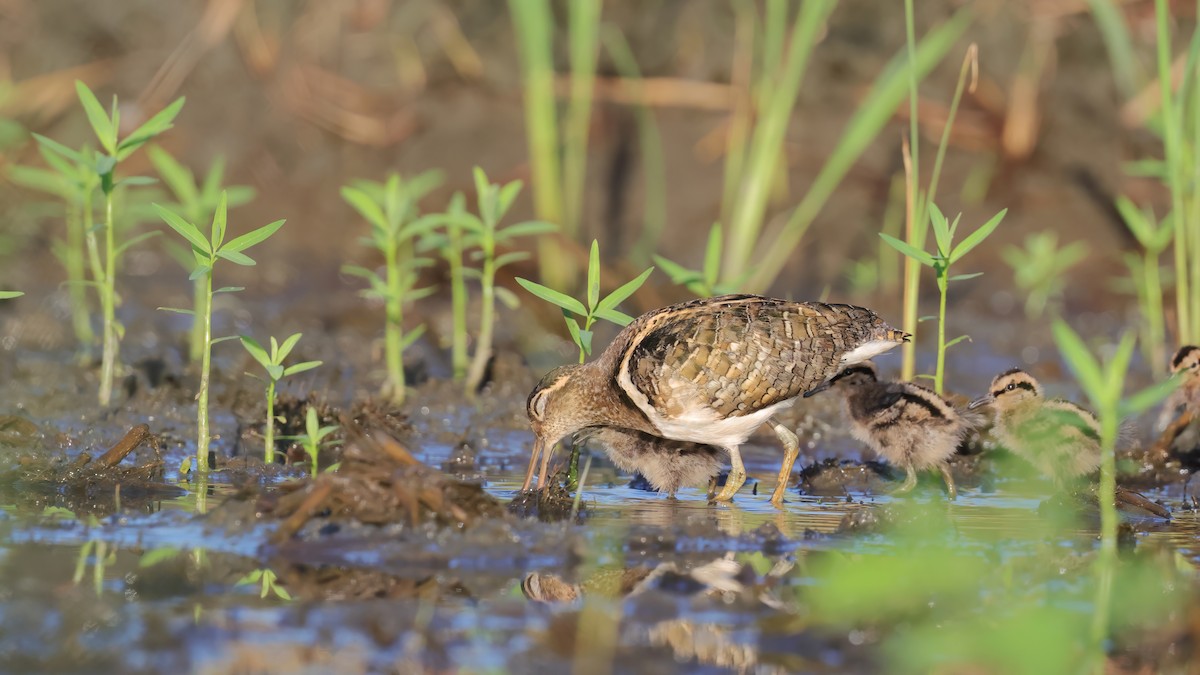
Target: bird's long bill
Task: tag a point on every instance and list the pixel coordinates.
(538, 446)
(981, 401)
(819, 388)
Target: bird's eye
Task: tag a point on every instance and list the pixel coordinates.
(1010, 386)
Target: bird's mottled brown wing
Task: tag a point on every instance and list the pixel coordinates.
(736, 355)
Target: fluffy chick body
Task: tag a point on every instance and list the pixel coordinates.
(1185, 399)
(1060, 439)
(667, 464)
(908, 425)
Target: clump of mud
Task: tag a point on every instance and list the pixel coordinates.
(379, 483)
(550, 504)
(87, 484)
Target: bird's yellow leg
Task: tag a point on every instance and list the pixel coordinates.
(791, 450)
(736, 478)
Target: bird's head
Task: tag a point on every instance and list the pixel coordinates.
(556, 410)
(858, 375)
(1186, 361)
(1008, 390)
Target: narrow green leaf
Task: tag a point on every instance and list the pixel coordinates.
(177, 310)
(199, 272)
(41, 180)
(574, 330)
(301, 367)
(184, 228)
(254, 237)
(976, 238)
(133, 241)
(622, 293)
(1149, 397)
(178, 178)
(137, 181)
(615, 316)
(97, 117)
(274, 371)
(908, 249)
(678, 274)
(287, 346)
(553, 297)
(957, 340)
(256, 350)
(964, 277)
(220, 220)
(712, 256)
(6, 295)
(227, 338)
(152, 127)
(1079, 359)
(507, 297)
(941, 229)
(1117, 368)
(365, 206)
(59, 148)
(510, 258)
(526, 228)
(229, 289)
(236, 258)
(593, 280)
(412, 336)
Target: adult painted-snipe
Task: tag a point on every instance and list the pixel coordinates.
(908, 425)
(708, 371)
(1182, 407)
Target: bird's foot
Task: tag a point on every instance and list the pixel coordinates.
(733, 482)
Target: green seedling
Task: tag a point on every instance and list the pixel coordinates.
(207, 252)
(1103, 384)
(703, 282)
(5, 295)
(451, 244)
(1155, 238)
(596, 308)
(106, 126)
(484, 234)
(1038, 269)
(75, 184)
(268, 583)
(391, 210)
(195, 202)
(946, 255)
(313, 438)
(272, 363)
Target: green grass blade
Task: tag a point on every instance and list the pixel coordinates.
(593, 283)
(98, 118)
(976, 238)
(553, 297)
(251, 238)
(624, 291)
(288, 345)
(256, 351)
(184, 228)
(1079, 359)
(871, 116)
(152, 127)
(366, 207)
(908, 249)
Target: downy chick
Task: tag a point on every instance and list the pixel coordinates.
(1186, 399)
(1060, 439)
(667, 464)
(906, 424)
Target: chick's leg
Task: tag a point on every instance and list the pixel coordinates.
(736, 478)
(791, 449)
(951, 491)
(910, 480)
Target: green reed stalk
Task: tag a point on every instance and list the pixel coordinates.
(1115, 32)
(741, 118)
(872, 115)
(108, 296)
(746, 223)
(654, 203)
(393, 329)
(76, 276)
(915, 227)
(458, 301)
(583, 32)
(1172, 150)
(533, 25)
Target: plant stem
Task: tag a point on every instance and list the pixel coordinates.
(202, 438)
(108, 299)
(939, 374)
(75, 279)
(200, 306)
(458, 303)
(1154, 312)
(93, 247)
(747, 219)
(269, 433)
(915, 226)
(1107, 558)
(1171, 151)
(584, 22)
(532, 23)
(483, 347)
(392, 332)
